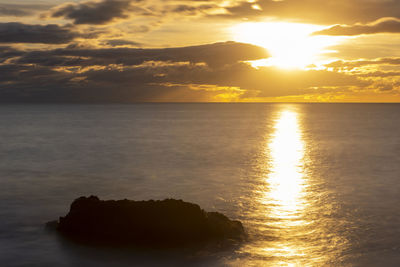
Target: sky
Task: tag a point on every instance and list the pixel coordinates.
(125, 51)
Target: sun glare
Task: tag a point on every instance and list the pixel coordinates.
(286, 186)
(286, 178)
(291, 45)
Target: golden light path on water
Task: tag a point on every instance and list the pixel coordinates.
(280, 199)
(286, 177)
(286, 184)
(290, 216)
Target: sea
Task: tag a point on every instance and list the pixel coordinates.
(313, 184)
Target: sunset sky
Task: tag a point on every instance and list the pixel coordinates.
(200, 51)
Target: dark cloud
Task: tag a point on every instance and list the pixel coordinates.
(131, 75)
(7, 52)
(20, 10)
(330, 12)
(213, 54)
(42, 84)
(384, 25)
(15, 32)
(313, 11)
(153, 83)
(94, 12)
(190, 9)
(120, 42)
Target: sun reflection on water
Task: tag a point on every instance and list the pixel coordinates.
(285, 180)
(286, 183)
(289, 217)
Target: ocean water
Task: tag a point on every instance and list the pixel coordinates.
(313, 184)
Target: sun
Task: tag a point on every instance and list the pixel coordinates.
(291, 45)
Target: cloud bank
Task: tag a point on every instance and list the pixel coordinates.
(115, 74)
(15, 32)
(197, 73)
(384, 25)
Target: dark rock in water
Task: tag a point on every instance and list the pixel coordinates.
(167, 222)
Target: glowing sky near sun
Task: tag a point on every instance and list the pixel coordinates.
(291, 45)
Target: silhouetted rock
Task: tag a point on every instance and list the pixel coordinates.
(167, 222)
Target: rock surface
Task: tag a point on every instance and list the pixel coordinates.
(166, 222)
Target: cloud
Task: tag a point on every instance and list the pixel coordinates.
(384, 25)
(94, 12)
(120, 42)
(195, 73)
(217, 54)
(272, 82)
(15, 32)
(331, 11)
(189, 9)
(20, 10)
(7, 52)
(153, 83)
(351, 64)
(100, 12)
(241, 10)
(380, 74)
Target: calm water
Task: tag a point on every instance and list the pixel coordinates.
(314, 184)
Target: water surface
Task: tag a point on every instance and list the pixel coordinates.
(313, 184)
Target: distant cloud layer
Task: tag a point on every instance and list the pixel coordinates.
(218, 54)
(94, 12)
(341, 64)
(15, 32)
(117, 74)
(384, 25)
(196, 73)
(20, 10)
